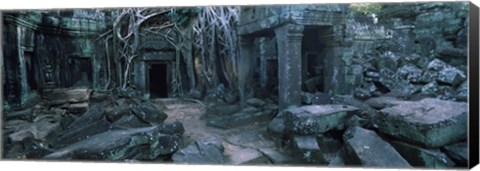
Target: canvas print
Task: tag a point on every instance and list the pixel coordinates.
(374, 85)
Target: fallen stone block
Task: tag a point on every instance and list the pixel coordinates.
(315, 119)
(306, 148)
(147, 112)
(77, 108)
(68, 138)
(393, 82)
(26, 114)
(364, 147)
(275, 156)
(357, 121)
(429, 76)
(199, 153)
(37, 150)
(244, 156)
(61, 96)
(420, 157)
(95, 113)
(140, 143)
(431, 89)
(129, 121)
(118, 113)
(255, 102)
(458, 152)
(451, 76)
(436, 65)
(430, 122)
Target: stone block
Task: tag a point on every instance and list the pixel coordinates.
(73, 136)
(364, 147)
(239, 119)
(421, 157)
(92, 115)
(275, 156)
(139, 143)
(451, 76)
(306, 148)
(256, 102)
(315, 119)
(429, 122)
(199, 153)
(147, 112)
(61, 96)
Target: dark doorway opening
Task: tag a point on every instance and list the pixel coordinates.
(81, 71)
(313, 58)
(31, 68)
(158, 81)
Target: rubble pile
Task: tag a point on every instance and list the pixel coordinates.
(72, 124)
(400, 134)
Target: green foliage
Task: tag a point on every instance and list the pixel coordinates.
(365, 8)
(181, 15)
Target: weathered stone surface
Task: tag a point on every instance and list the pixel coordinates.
(139, 143)
(458, 152)
(199, 153)
(37, 150)
(357, 121)
(68, 138)
(26, 114)
(428, 76)
(222, 110)
(61, 96)
(384, 102)
(362, 94)
(314, 119)
(117, 113)
(451, 76)
(436, 65)
(239, 119)
(147, 112)
(244, 156)
(253, 139)
(129, 121)
(41, 129)
(388, 60)
(255, 102)
(306, 148)
(275, 156)
(420, 157)
(92, 115)
(77, 108)
(364, 147)
(393, 82)
(430, 122)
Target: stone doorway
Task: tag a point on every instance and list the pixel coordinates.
(31, 67)
(158, 80)
(81, 71)
(315, 48)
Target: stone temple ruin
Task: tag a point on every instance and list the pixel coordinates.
(372, 85)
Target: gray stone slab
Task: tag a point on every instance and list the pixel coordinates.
(68, 138)
(364, 147)
(275, 156)
(60, 96)
(306, 148)
(199, 153)
(430, 122)
(315, 119)
(139, 143)
(239, 119)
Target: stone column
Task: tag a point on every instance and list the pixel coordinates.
(263, 62)
(289, 45)
(245, 68)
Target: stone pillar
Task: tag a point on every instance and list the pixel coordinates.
(289, 45)
(245, 68)
(263, 62)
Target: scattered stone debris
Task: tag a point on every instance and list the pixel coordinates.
(458, 152)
